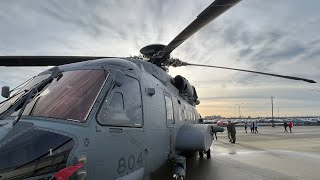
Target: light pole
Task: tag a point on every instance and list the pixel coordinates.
(273, 125)
(239, 109)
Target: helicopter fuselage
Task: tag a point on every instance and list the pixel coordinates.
(125, 128)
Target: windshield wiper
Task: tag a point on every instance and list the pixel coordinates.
(16, 88)
(1, 103)
(22, 103)
(30, 94)
(3, 114)
(56, 73)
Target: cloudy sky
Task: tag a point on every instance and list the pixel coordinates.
(273, 36)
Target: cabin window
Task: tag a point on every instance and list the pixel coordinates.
(188, 113)
(123, 105)
(169, 110)
(193, 116)
(180, 114)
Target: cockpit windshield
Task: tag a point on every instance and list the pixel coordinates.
(68, 97)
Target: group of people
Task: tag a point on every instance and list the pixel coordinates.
(232, 129)
(253, 126)
(286, 125)
(254, 129)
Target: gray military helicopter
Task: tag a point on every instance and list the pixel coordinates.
(105, 117)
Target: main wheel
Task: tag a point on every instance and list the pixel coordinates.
(201, 154)
(208, 154)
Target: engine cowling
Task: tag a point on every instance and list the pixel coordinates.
(183, 85)
(194, 137)
(186, 91)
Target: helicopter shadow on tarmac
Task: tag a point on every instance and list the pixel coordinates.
(219, 167)
(198, 165)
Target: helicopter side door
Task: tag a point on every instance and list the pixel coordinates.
(121, 120)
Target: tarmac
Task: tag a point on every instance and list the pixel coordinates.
(269, 154)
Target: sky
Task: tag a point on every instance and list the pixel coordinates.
(273, 36)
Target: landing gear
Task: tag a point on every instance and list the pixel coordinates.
(208, 153)
(178, 177)
(201, 154)
(180, 167)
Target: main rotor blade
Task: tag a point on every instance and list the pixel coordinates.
(42, 60)
(210, 13)
(257, 72)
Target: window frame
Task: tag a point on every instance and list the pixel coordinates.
(111, 91)
(69, 120)
(168, 122)
(110, 100)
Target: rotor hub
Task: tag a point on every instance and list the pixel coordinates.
(152, 49)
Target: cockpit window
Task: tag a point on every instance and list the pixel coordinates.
(123, 106)
(69, 97)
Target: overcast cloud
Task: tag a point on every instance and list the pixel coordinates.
(274, 36)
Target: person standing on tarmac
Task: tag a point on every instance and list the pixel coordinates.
(215, 135)
(285, 125)
(231, 131)
(252, 127)
(256, 125)
(245, 126)
(290, 126)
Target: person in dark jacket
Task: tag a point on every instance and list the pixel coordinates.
(231, 132)
(252, 127)
(285, 125)
(215, 135)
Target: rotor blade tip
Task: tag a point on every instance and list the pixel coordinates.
(310, 81)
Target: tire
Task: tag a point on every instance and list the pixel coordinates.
(208, 154)
(180, 178)
(201, 154)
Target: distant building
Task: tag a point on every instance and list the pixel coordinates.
(213, 117)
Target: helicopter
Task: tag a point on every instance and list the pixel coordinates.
(106, 117)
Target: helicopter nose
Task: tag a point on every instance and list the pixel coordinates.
(27, 151)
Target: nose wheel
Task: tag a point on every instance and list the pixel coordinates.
(208, 153)
(178, 177)
(179, 167)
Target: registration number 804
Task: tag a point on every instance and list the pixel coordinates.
(129, 163)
